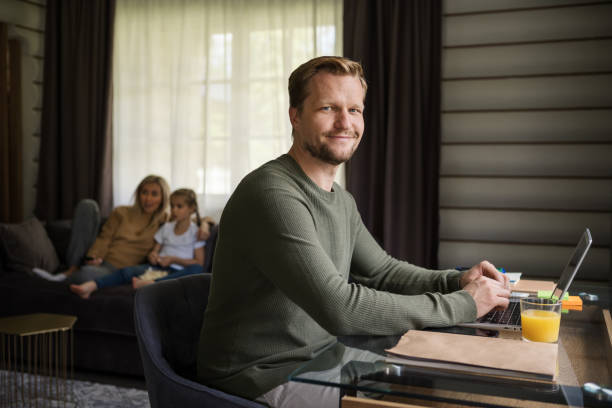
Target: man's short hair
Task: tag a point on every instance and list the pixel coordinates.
(300, 77)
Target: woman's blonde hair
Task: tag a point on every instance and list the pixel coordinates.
(161, 214)
(190, 199)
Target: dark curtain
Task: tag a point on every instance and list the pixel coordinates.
(75, 152)
(394, 173)
(11, 130)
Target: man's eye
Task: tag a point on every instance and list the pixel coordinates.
(326, 108)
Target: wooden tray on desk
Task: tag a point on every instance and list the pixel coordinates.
(532, 286)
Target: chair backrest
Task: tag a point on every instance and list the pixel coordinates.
(172, 313)
(211, 242)
(168, 318)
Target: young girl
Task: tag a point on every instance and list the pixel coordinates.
(177, 250)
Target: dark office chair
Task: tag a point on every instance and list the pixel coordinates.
(211, 242)
(168, 317)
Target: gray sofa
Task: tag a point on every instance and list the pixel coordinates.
(105, 339)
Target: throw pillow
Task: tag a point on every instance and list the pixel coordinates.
(26, 246)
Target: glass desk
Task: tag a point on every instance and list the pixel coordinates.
(356, 365)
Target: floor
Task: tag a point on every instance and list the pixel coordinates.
(117, 380)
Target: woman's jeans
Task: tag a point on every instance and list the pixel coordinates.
(125, 275)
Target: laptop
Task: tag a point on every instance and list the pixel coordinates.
(510, 319)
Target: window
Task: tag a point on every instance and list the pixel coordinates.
(200, 88)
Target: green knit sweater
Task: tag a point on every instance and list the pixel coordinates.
(280, 290)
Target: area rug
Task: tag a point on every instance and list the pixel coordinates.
(26, 390)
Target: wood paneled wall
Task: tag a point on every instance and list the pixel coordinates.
(526, 134)
(26, 22)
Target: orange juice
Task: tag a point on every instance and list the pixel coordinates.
(540, 325)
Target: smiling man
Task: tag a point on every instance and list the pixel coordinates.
(289, 238)
(328, 123)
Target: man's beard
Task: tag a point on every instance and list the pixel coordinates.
(326, 155)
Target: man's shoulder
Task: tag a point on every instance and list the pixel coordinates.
(277, 173)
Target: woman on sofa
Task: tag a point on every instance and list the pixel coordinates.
(125, 239)
(177, 251)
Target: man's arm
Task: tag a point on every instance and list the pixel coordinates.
(373, 267)
(292, 258)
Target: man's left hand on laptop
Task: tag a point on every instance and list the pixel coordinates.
(489, 287)
(484, 268)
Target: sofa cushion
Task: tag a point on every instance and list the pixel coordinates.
(25, 246)
(59, 234)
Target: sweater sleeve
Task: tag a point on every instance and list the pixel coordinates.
(102, 242)
(373, 267)
(289, 254)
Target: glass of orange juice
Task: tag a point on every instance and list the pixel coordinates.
(540, 319)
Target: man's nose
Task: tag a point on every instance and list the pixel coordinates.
(342, 119)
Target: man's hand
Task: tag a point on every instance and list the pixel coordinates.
(489, 287)
(488, 294)
(485, 268)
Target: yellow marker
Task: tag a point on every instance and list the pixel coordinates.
(540, 325)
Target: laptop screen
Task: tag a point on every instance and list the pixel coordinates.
(573, 264)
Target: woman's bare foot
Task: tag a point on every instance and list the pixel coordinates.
(84, 290)
(139, 283)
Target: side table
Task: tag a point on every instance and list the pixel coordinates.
(36, 355)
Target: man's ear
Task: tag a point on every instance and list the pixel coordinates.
(294, 116)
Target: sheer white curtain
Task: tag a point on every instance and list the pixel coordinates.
(200, 88)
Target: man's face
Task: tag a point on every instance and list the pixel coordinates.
(330, 125)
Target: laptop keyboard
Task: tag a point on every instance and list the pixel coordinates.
(511, 316)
